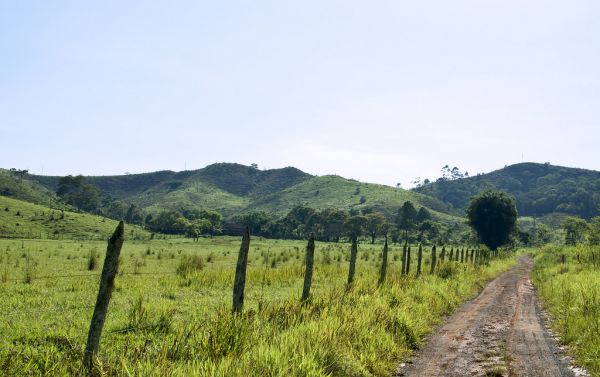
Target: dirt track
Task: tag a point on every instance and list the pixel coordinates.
(499, 333)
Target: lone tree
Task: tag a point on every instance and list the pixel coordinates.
(493, 215)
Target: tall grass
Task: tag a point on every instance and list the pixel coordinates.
(186, 329)
(571, 293)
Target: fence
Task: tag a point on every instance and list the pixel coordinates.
(473, 256)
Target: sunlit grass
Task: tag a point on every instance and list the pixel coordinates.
(162, 322)
(571, 293)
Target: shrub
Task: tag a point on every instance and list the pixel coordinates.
(189, 264)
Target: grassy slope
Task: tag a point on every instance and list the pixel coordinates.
(233, 188)
(27, 220)
(338, 192)
(27, 190)
(571, 293)
(161, 324)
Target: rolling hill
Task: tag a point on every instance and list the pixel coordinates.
(539, 189)
(232, 189)
(20, 219)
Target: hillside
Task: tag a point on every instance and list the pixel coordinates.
(233, 188)
(19, 219)
(21, 187)
(539, 189)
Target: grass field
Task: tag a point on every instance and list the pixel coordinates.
(571, 293)
(19, 219)
(170, 312)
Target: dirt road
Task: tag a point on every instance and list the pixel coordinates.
(499, 333)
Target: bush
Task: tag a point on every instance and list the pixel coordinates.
(189, 264)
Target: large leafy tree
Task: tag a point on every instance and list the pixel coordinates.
(375, 224)
(493, 215)
(355, 226)
(79, 193)
(575, 229)
(406, 218)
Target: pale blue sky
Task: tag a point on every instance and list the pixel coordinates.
(381, 91)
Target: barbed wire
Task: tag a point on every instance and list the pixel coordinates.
(91, 275)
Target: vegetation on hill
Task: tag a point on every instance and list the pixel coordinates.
(233, 190)
(539, 189)
(17, 184)
(19, 219)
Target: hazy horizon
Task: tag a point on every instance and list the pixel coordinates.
(382, 92)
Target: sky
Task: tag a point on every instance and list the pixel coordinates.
(380, 91)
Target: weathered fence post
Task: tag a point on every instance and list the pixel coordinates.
(563, 259)
(443, 254)
(353, 253)
(462, 255)
(384, 259)
(433, 260)
(419, 258)
(451, 257)
(240, 274)
(408, 260)
(107, 282)
(472, 253)
(404, 259)
(456, 255)
(310, 261)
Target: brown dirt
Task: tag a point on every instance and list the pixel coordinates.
(499, 333)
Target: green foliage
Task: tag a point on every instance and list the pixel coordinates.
(406, 218)
(493, 215)
(575, 230)
(355, 226)
(539, 189)
(594, 229)
(376, 224)
(423, 215)
(77, 192)
(19, 186)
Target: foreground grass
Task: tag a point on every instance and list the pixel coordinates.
(571, 293)
(170, 313)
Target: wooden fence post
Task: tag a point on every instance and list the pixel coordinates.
(451, 257)
(404, 259)
(107, 282)
(310, 261)
(472, 252)
(240, 274)
(443, 254)
(384, 258)
(408, 260)
(353, 253)
(462, 255)
(419, 258)
(433, 260)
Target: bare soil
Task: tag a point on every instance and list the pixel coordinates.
(499, 333)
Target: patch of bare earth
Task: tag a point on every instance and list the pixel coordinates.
(499, 333)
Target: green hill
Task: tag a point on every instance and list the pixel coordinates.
(19, 219)
(232, 189)
(22, 187)
(338, 192)
(539, 189)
